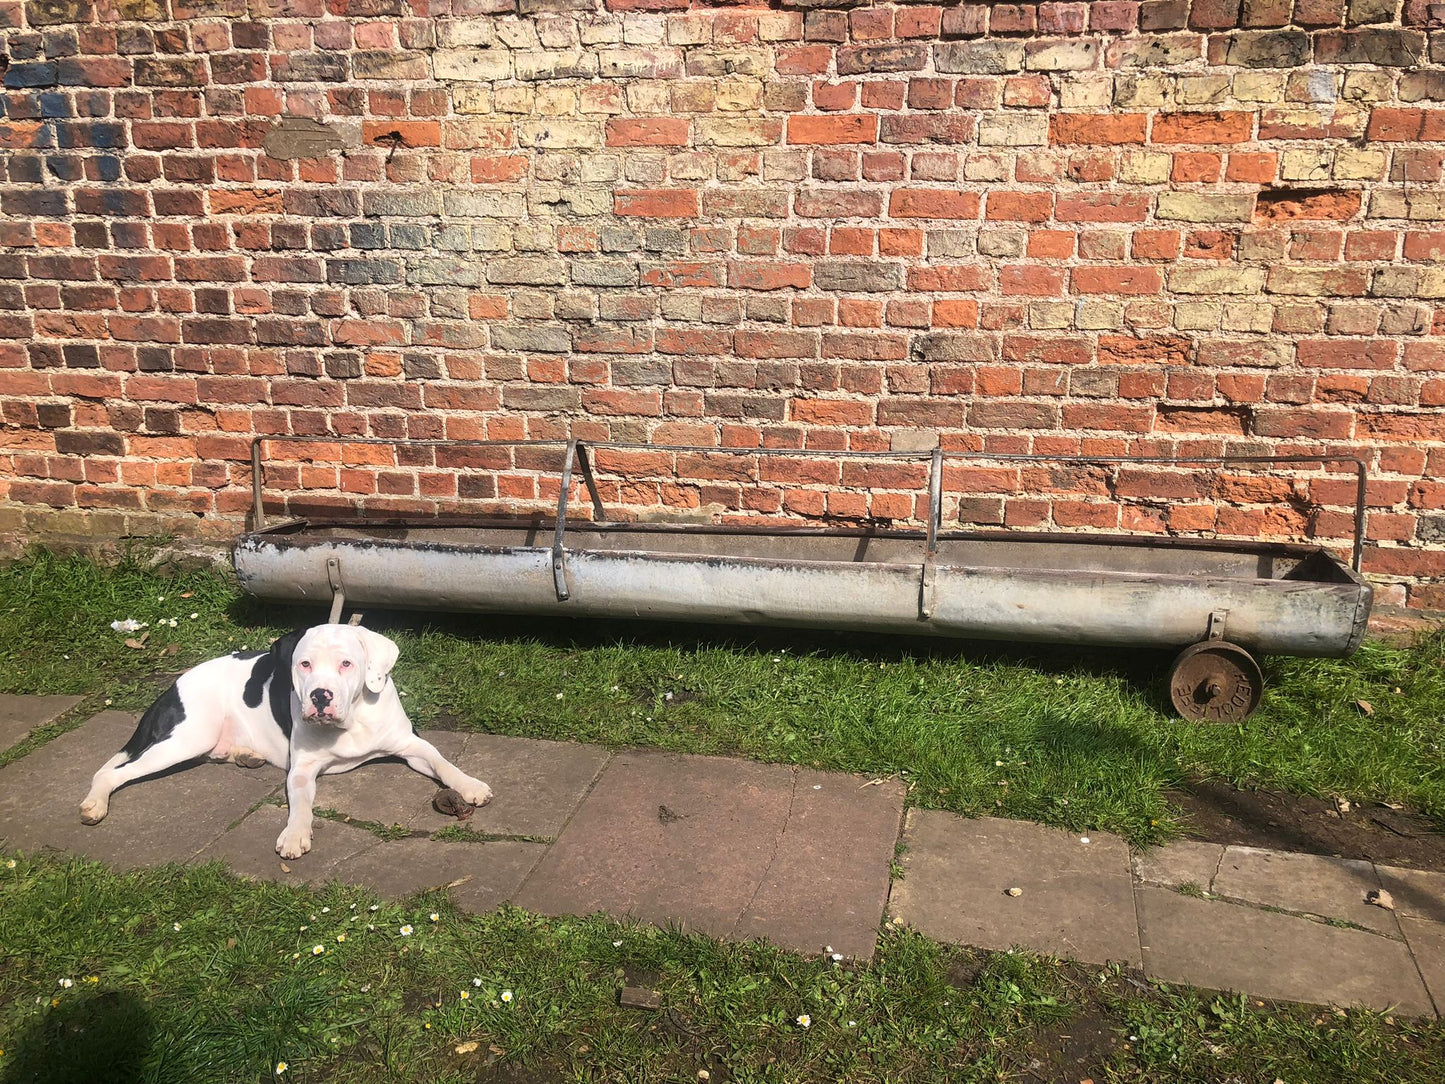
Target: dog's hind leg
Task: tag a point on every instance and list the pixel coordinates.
(149, 751)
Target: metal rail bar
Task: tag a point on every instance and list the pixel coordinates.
(937, 455)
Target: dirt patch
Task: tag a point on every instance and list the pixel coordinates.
(1219, 813)
(446, 720)
(1071, 1050)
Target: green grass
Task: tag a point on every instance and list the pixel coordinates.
(1079, 738)
(238, 987)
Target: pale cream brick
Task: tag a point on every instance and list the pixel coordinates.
(599, 29)
(518, 33)
(1051, 315)
(1243, 316)
(1099, 316)
(690, 166)
(1419, 205)
(1143, 91)
(1013, 130)
(1353, 319)
(986, 167)
(642, 28)
(534, 237)
(455, 32)
(577, 305)
(689, 29)
(1085, 90)
(558, 32)
(1202, 89)
(1315, 85)
(996, 242)
(1207, 279)
(1299, 318)
(1197, 316)
(514, 99)
(640, 167)
(649, 97)
(1205, 206)
(785, 164)
(1366, 86)
(739, 132)
(554, 134)
(491, 237)
(694, 96)
(472, 65)
(555, 63)
(601, 167)
(1306, 163)
(472, 98)
(1264, 246)
(1259, 86)
(739, 95)
(1138, 166)
(1353, 164)
(720, 62)
(780, 26)
(556, 101)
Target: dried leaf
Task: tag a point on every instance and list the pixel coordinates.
(172, 649)
(187, 594)
(468, 1048)
(1365, 707)
(1380, 898)
(136, 643)
(285, 868)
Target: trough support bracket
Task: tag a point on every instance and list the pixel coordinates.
(928, 586)
(338, 589)
(1216, 625)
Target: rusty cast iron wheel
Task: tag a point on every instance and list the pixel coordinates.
(1215, 682)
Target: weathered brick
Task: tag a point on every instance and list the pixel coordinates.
(1265, 49)
(1385, 47)
(1205, 207)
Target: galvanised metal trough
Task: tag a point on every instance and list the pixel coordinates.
(1216, 600)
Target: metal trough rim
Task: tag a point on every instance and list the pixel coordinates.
(576, 453)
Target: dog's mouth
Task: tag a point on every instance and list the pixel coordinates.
(329, 716)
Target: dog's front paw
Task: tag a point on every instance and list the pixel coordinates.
(93, 810)
(476, 792)
(293, 843)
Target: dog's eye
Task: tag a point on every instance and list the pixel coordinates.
(305, 665)
(346, 664)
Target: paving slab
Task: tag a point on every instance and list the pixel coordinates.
(19, 715)
(669, 839)
(817, 894)
(249, 848)
(1182, 863)
(1417, 893)
(1227, 946)
(166, 818)
(490, 872)
(1077, 898)
(1427, 944)
(386, 791)
(537, 785)
(1311, 883)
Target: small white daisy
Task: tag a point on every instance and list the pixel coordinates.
(10, 864)
(805, 1020)
(326, 910)
(406, 931)
(476, 982)
(434, 916)
(506, 995)
(176, 926)
(281, 1067)
(66, 984)
(317, 950)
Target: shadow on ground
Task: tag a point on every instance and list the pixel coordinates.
(101, 1037)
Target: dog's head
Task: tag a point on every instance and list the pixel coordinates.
(334, 666)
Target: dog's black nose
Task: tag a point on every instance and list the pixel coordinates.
(320, 697)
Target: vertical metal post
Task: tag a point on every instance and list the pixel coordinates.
(559, 556)
(927, 588)
(599, 514)
(258, 511)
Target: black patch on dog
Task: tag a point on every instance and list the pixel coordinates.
(274, 667)
(244, 655)
(156, 725)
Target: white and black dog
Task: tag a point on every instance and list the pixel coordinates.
(318, 702)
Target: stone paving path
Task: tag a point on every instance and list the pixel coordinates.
(737, 849)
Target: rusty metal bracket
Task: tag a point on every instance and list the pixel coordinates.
(338, 589)
(584, 463)
(1216, 625)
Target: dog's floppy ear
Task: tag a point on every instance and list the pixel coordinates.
(381, 656)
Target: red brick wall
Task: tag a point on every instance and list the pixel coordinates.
(1086, 228)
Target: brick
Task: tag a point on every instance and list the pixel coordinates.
(648, 132)
(1205, 207)
(1265, 49)
(1061, 55)
(870, 59)
(933, 203)
(828, 130)
(1202, 128)
(1109, 128)
(979, 57)
(657, 203)
(1382, 47)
